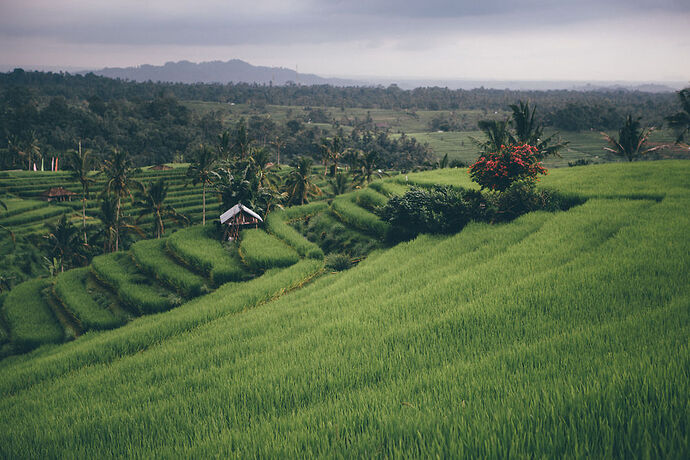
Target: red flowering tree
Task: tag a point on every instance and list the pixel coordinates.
(497, 170)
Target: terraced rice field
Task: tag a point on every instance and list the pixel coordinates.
(556, 335)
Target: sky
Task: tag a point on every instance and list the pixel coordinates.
(592, 40)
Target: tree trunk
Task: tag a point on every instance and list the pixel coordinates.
(117, 226)
(203, 204)
(83, 215)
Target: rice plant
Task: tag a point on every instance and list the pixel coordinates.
(70, 288)
(30, 320)
(261, 251)
(358, 217)
(277, 225)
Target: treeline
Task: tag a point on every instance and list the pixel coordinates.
(558, 106)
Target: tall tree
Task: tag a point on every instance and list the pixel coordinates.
(63, 243)
(119, 182)
(264, 169)
(112, 225)
(528, 130)
(340, 184)
(152, 201)
(680, 121)
(299, 183)
(368, 167)
(496, 133)
(79, 163)
(631, 140)
(241, 140)
(201, 170)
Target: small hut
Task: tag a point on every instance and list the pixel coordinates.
(57, 194)
(161, 168)
(237, 217)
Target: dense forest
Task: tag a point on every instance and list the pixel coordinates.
(52, 111)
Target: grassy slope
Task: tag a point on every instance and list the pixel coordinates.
(556, 335)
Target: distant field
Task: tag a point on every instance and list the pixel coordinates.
(582, 145)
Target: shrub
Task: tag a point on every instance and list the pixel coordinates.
(438, 210)
(498, 170)
(338, 262)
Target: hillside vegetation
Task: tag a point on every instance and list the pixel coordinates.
(556, 335)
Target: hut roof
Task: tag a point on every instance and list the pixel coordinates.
(239, 207)
(54, 192)
(161, 167)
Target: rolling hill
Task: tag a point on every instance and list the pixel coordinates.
(556, 335)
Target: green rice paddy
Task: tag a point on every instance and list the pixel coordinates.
(556, 335)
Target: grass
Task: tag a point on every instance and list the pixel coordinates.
(261, 251)
(197, 249)
(30, 319)
(358, 217)
(70, 288)
(135, 290)
(277, 225)
(557, 335)
(153, 258)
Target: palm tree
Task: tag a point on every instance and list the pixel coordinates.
(340, 184)
(241, 141)
(119, 182)
(79, 163)
(528, 130)
(496, 133)
(263, 168)
(299, 185)
(631, 140)
(332, 149)
(681, 120)
(63, 242)
(278, 143)
(113, 226)
(202, 170)
(368, 167)
(153, 202)
(224, 146)
(4, 206)
(350, 157)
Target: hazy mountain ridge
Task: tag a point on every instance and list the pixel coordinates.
(234, 70)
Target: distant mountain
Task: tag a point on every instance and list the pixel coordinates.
(235, 71)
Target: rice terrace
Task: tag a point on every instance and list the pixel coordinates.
(223, 260)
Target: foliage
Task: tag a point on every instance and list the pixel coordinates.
(79, 163)
(119, 182)
(261, 251)
(338, 262)
(200, 170)
(299, 184)
(152, 202)
(275, 224)
(134, 290)
(528, 130)
(437, 210)
(206, 255)
(64, 245)
(31, 321)
(499, 169)
(680, 121)
(70, 288)
(153, 258)
(352, 214)
(631, 140)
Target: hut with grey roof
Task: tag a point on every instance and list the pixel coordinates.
(238, 217)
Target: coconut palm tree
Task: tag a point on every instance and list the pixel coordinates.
(631, 140)
(264, 169)
(63, 242)
(681, 121)
(299, 185)
(152, 201)
(340, 184)
(112, 225)
(119, 182)
(368, 168)
(497, 135)
(201, 170)
(528, 130)
(79, 163)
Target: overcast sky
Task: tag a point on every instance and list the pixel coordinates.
(635, 40)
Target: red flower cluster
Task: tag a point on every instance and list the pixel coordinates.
(497, 170)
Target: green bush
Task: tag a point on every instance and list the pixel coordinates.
(196, 248)
(338, 262)
(70, 289)
(30, 319)
(152, 257)
(261, 251)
